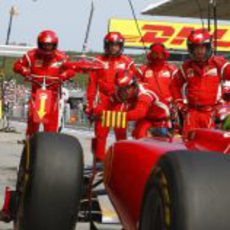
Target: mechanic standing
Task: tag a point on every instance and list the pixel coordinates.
(45, 60)
(202, 75)
(158, 73)
(101, 87)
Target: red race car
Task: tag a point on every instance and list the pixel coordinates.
(153, 183)
(171, 185)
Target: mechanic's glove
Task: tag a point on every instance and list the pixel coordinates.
(181, 106)
(25, 72)
(67, 75)
(88, 107)
(89, 113)
(114, 119)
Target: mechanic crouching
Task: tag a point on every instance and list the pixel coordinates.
(138, 101)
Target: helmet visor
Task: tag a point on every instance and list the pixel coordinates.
(157, 55)
(47, 47)
(114, 48)
(127, 92)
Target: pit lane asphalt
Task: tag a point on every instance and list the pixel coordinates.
(10, 152)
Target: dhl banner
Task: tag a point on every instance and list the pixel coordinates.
(173, 35)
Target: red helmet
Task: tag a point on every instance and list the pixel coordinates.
(126, 84)
(200, 37)
(158, 52)
(47, 42)
(114, 38)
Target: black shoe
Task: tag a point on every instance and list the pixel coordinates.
(5, 217)
(8, 212)
(99, 165)
(21, 142)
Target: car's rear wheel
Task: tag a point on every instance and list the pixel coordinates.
(188, 191)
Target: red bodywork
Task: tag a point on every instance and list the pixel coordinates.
(129, 164)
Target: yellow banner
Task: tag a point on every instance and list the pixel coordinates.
(173, 35)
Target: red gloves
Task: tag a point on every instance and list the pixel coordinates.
(181, 106)
(67, 74)
(25, 72)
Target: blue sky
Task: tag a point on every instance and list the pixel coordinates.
(69, 18)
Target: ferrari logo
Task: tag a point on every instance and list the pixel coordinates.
(227, 135)
(149, 74)
(190, 73)
(38, 63)
(57, 64)
(120, 65)
(114, 119)
(41, 111)
(165, 74)
(212, 72)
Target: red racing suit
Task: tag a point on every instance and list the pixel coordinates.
(139, 108)
(34, 63)
(100, 88)
(202, 92)
(159, 77)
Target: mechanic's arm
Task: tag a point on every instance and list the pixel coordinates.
(140, 110)
(176, 87)
(66, 72)
(137, 72)
(22, 66)
(91, 90)
(75, 66)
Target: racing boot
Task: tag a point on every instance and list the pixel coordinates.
(99, 164)
(7, 214)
